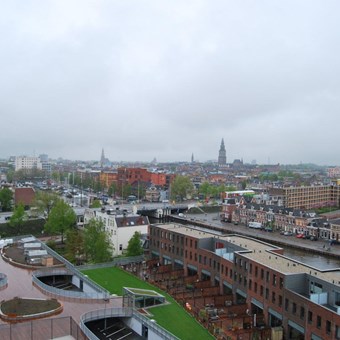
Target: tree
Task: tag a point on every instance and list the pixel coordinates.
(44, 201)
(181, 187)
(18, 218)
(112, 190)
(61, 218)
(96, 204)
(6, 196)
(134, 247)
(204, 189)
(74, 246)
(97, 245)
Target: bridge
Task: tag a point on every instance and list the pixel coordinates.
(160, 211)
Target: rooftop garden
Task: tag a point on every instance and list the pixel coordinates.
(171, 316)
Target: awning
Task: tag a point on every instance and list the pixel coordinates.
(190, 266)
(275, 313)
(241, 292)
(205, 272)
(227, 284)
(179, 262)
(296, 326)
(257, 303)
(154, 252)
(217, 278)
(167, 257)
(315, 337)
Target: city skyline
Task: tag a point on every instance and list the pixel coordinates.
(168, 80)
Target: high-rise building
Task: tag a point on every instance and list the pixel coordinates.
(222, 158)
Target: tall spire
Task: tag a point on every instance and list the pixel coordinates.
(222, 157)
(102, 159)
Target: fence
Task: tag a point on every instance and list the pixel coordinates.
(102, 314)
(75, 271)
(69, 294)
(42, 329)
(120, 261)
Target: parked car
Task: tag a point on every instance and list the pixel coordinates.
(299, 235)
(313, 238)
(288, 233)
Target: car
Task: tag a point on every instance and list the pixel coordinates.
(288, 233)
(313, 238)
(299, 235)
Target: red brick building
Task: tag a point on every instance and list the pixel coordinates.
(278, 291)
(25, 196)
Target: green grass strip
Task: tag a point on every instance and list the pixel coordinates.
(171, 317)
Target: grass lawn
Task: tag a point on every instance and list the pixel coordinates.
(171, 317)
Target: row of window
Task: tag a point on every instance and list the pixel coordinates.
(264, 275)
(292, 307)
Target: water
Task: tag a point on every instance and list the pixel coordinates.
(314, 260)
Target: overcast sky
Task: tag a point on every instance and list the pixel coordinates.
(165, 79)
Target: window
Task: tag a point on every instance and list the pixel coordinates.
(267, 293)
(261, 290)
(267, 276)
(286, 305)
(280, 300)
(273, 297)
(281, 282)
(294, 308)
(274, 280)
(250, 268)
(262, 274)
(250, 284)
(328, 327)
(310, 316)
(255, 287)
(302, 313)
(318, 321)
(256, 270)
(120, 247)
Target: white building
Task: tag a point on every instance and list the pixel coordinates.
(120, 226)
(26, 162)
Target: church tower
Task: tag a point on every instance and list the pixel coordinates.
(222, 158)
(102, 159)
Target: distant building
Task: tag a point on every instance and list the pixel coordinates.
(120, 226)
(27, 163)
(25, 196)
(222, 157)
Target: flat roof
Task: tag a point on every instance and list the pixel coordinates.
(258, 251)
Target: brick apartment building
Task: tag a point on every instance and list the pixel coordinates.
(309, 197)
(279, 291)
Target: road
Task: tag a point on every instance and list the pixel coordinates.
(290, 241)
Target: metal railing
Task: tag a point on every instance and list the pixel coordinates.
(97, 294)
(43, 329)
(74, 270)
(102, 314)
(122, 312)
(120, 261)
(154, 327)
